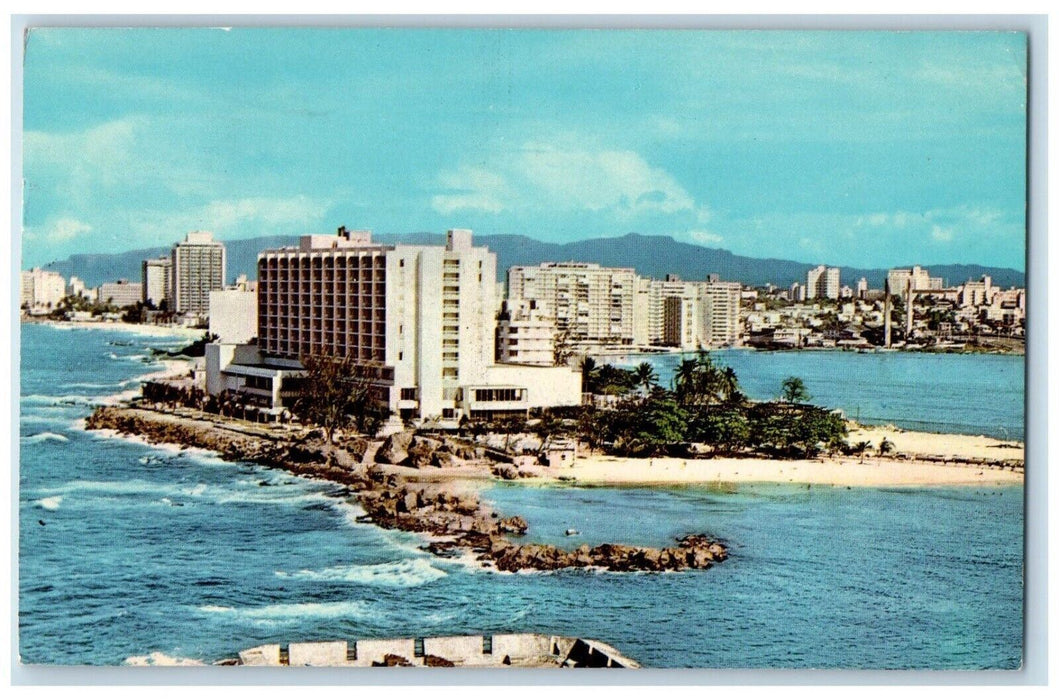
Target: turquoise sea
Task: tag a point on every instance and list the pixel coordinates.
(127, 549)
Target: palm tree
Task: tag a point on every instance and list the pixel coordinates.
(885, 447)
(589, 372)
(684, 379)
(729, 385)
(645, 376)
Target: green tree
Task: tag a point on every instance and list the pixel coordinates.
(589, 374)
(645, 376)
(651, 426)
(885, 447)
(338, 393)
(794, 391)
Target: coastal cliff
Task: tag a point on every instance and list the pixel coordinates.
(456, 522)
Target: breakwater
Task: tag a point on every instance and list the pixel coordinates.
(498, 650)
(457, 522)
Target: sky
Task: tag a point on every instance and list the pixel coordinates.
(865, 149)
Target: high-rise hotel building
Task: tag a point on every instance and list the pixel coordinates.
(425, 316)
(198, 268)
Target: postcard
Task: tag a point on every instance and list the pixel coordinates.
(535, 348)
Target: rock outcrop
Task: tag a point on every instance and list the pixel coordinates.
(457, 521)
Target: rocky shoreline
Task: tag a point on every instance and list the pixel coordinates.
(457, 523)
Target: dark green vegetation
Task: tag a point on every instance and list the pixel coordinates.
(652, 256)
(705, 406)
(336, 394)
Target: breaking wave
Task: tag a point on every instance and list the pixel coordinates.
(41, 437)
(50, 503)
(406, 573)
(348, 609)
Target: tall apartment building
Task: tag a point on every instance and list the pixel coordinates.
(156, 278)
(525, 333)
(822, 282)
(41, 289)
(687, 314)
(593, 303)
(721, 313)
(423, 316)
(917, 277)
(198, 268)
(862, 287)
(121, 293)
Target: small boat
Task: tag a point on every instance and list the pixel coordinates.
(571, 532)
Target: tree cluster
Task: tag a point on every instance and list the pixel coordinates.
(706, 406)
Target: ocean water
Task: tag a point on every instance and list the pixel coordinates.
(127, 549)
(938, 393)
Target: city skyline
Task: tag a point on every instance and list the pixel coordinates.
(855, 148)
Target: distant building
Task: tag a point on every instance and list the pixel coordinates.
(233, 312)
(121, 293)
(822, 282)
(41, 289)
(198, 269)
(590, 302)
(797, 292)
(977, 293)
(686, 314)
(157, 279)
(862, 287)
(918, 278)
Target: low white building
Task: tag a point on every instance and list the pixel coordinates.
(121, 293)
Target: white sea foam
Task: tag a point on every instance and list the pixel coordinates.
(42, 437)
(345, 609)
(50, 503)
(406, 573)
(157, 658)
(58, 399)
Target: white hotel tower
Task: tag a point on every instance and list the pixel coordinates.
(426, 315)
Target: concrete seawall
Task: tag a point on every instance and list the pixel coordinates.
(521, 650)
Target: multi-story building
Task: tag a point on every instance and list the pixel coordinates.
(917, 279)
(121, 293)
(862, 287)
(423, 318)
(797, 292)
(198, 269)
(157, 277)
(525, 333)
(233, 312)
(593, 304)
(687, 314)
(822, 282)
(977, 292)
(41, 289)
(721, 313)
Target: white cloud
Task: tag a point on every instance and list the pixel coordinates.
(57, 230)
(231, 217)
(564, 176)
(707, 237)
(941, 234)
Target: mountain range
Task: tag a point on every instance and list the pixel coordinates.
(651, 256)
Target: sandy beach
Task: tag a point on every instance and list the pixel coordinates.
(137, 328)
(600, 470)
